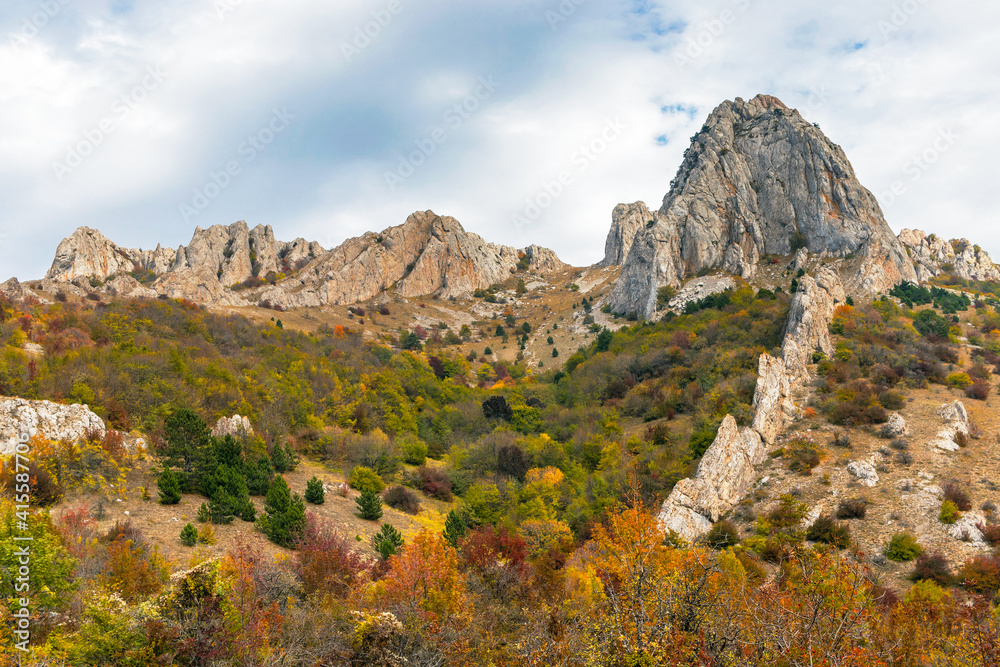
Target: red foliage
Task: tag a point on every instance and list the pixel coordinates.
(325, 561)
(495, 547)
(435, 483)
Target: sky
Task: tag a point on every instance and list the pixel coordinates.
(527, 120)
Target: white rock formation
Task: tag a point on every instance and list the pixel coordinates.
(864, 471)
(21, 420)
(895, 427)
(235, 426)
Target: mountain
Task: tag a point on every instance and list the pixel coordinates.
(757, 180)
(236, 265)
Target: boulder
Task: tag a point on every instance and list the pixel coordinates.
(895, 427)
(21, 420)
(128, 287)
(864, 471)
(954, 412)
(14, 290)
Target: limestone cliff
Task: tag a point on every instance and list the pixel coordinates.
(626, 221)
(758, 179)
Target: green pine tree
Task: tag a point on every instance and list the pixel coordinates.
(258, 476)
(369, 505)
(170, 487)
(387, 541)
(454, 528)
(314, 491)
(189, 535)
(189, 445)
(284, 514)
(203, 514)
(279, 459)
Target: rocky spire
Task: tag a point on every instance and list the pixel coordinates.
(758, 179)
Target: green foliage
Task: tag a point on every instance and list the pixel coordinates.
(369, 505)
(723, 535)
(828, 531)
(455, 528)
(52, 582)
(413, 448)
(283, 458)
(189, 444)
(949, 512)
(959, 380)
(903, 547)
(315, 493)
(284, 515)
(365, 479)
(387, 541)
(928, 323)
(702, 438)
(169, 486)
(189, 535)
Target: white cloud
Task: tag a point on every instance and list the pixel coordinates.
(659, 67)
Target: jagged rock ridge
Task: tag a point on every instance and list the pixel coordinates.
(758, 179)
(428, 254)
(933, 256)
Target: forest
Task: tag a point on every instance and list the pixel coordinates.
(550, 554)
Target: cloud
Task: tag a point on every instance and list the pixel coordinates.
(368, 83)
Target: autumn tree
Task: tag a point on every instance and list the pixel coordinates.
(426, 574)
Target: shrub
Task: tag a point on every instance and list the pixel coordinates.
(932, 567)
(955, 493)
(325, 561)
(841, 439)
(788, 513)
(206, 534)
(979, 390)
(959, 380)
(170, 487)
(365, 479)
(455, 528)
(949, 512)
(904, 458)
(991, 533)
(496, 407)
(802, 456)
(723, 534)
(435, 483)
(981, 574)
(852, 508)
(401, 498)
(828, 531)
(189, 535)
(903, 547)
(387, 541)
(315, 493)
(414, 449)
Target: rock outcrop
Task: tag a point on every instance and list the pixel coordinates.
(21, 420)
(808, 327)
(87, 253)
(758, 179)
(933, 256)
(14, 290)
(723, 477)
(771, 398)
(626, 221)
(235, 426)
(956, 427)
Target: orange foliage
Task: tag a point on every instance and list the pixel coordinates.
(426, 573)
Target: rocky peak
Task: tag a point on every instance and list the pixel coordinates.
(758, 179)
(87, 253)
